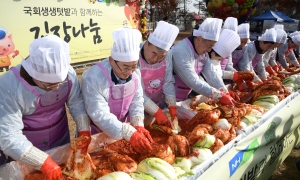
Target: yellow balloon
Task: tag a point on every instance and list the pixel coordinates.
(216, 3)
(209, 7)
(243, 12)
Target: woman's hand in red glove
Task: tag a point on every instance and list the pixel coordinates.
(145, 132)
(51, 170)
(85, 142)
(140, 143)
(161, 118)
(173, 111)
(226, 99)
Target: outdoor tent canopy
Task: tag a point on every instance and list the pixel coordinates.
(272, 15)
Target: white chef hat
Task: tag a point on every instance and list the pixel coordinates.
(296, 39)
(164, 35)
(268, 35)
(279, 26)
(126, 45)
(280, 36)
(244, 30)
(209, 29)
(294, 33)
(227, 43)
(49, 59)
(231, 23)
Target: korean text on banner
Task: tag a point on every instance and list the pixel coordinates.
(86, 25)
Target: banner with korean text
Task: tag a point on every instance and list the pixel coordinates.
(86, 25)
(259, 154)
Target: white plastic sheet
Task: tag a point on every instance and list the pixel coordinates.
(16, 170)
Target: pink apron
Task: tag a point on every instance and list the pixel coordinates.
(47, 126)
(224, 63)
(153, 78)
(120, 97)
(236, 57)
(182, 90)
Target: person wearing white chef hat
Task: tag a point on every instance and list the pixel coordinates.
(113, 94)
(244, 33)
(227, 63)
(252, 58)
(230, 23)
(227, 43)
(269, 58)
(190, 58)
(157, 72)
(34, 117)
(285, 51)
(229, 72)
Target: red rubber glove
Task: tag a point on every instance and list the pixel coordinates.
(226, 99)
(144, 131)
(263, 81)
(241, 87)
(85, 143)
(276, 68)
(51, 170)
(140, 143)
(250, 84)
(237, 78)
(173, 111)
(270, 70)
(234, 95)
(161, 118)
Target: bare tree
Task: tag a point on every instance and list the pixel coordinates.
(163, 8)
(184, 13)
(201, 6)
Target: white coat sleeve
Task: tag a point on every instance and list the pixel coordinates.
(260, 70)
(149, 106)
(292, 58)
(272, 61)
(281, 56)
(246, 61)
(95, 90)
(75, 103)
(183, 64)
(136, 108)
(229, 66)
(168, 87)
(212, 78)
(15, 101)
(266, 58)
